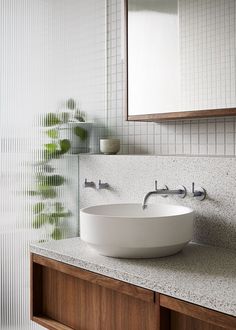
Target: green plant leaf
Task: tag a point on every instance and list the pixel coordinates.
(38, 207)
(50, 180)
(56, 234)
(51, 119)
(53, 220)
(53, 133)
(55, 180)
(65, 146)
(40, 220)
(81, 132)
(71, 104)
(47, 192)
(51, 147)
(60, 215)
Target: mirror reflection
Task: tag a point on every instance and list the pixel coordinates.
(181, 56)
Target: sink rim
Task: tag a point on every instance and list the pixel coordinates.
(187, 210)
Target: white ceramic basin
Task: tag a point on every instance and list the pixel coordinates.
(128, 231)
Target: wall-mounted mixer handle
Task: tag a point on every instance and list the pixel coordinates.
(102, 185)
(199, 193)
(89, 184)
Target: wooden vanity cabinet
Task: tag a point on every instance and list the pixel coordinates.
(65, 297)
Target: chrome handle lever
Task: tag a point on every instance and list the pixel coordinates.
(199, 194)
(102, 185)
(88, 184)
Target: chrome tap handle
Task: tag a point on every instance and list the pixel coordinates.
(163, 188)
(193, 189)
(88, 184)
(195, 193)
(102, 185)
(155, 184)
(199, 194)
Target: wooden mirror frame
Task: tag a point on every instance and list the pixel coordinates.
(221, 112)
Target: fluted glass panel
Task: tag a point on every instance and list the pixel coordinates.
(50, 51)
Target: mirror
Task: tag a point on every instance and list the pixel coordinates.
(180, 59)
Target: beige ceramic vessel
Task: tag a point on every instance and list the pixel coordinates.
(109, 146)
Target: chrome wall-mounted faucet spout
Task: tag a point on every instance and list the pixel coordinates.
(180, 191)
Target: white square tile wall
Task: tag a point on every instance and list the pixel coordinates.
(213, 137)
(78, 63)
(207, 28)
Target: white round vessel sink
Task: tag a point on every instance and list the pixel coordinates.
(128, 231)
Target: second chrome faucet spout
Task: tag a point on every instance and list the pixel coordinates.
(181, 192)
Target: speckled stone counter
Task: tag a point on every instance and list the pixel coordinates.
(200, 274)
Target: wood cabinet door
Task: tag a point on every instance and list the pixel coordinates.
(123, 312)
(64, 297)
(180, 315)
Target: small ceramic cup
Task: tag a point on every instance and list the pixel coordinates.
(109, 146)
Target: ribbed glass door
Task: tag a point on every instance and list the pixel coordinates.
(50, 51)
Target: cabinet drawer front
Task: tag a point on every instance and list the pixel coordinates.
(198, 312)
(68, 298)
(104, 281)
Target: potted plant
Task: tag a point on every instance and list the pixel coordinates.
(75, 128)
(67, 132)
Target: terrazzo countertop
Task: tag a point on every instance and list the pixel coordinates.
(200, 274)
